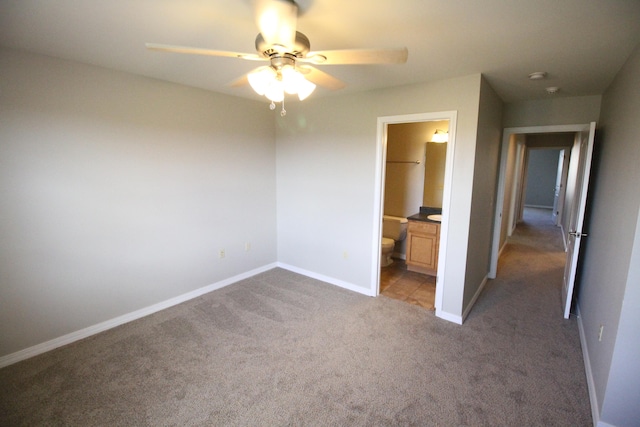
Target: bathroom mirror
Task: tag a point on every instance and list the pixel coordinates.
(434, 166)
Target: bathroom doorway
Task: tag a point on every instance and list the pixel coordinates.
(407, 170)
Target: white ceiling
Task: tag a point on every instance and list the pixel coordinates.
(581, 44)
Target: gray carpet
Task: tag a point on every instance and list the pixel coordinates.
(282, 349)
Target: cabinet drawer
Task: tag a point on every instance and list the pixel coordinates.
(422, 227)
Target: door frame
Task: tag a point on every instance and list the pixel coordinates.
(506, 135)
(381, 156)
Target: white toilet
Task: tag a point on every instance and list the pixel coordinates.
(394, 229)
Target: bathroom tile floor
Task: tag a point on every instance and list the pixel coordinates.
(415, 288)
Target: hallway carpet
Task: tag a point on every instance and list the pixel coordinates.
(283, 349)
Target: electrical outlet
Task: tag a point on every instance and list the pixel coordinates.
(222, 254)
(345, 255)
(600, 332)
(247, 247)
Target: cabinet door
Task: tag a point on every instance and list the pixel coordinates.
(422, 250)
(423, 241)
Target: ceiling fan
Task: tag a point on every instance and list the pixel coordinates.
(289, 54)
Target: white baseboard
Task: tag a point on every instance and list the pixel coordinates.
(460, 319)
(591, 386)
(454, 318)
(330, 280)
(120, 320)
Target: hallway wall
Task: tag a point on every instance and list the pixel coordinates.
(552, 111)
(609, 293)
(541, 177)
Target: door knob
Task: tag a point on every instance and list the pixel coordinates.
(577, 234)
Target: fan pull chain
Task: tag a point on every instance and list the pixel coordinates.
(283, 112)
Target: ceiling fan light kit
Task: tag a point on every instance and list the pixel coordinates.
(275, 82)
(279, 43)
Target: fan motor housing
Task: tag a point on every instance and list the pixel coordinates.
(300, 49)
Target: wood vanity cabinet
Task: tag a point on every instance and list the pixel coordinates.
(423, 242)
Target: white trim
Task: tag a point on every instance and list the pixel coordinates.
(126, 318)
(378, 202)
(564, 238)
(381, 153)
(454, 318)
(327, 279)
(591, 386)
(493, 267)
(502, 248)
(474, 299)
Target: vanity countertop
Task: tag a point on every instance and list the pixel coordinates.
(424, 213)
(421, 217)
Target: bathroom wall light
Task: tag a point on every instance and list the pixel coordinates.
(440, 136)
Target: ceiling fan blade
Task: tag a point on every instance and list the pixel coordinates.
(357, 56)
(321, 78)
(277, 21)
(244, 79)
(200, 51)
(240, 81)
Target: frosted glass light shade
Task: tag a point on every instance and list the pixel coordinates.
(261, 78)
(273, 84)
(440, 136)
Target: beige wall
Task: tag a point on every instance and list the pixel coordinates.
(542, 172)
(116, 193)
(404, 179)
(551, 140)
(485, 178)
(609, 292)
(552, 111)
(327, 173)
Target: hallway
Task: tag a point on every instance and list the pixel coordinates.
(523, 305)
(530, 271)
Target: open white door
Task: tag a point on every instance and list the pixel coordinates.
(576, 219)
